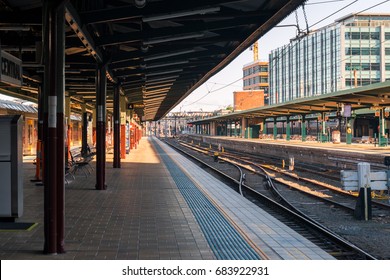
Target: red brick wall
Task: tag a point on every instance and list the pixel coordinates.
(244, 100)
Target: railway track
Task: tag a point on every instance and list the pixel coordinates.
(327, 192)
(279, 207)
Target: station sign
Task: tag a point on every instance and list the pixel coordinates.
(10, 69)
(131, 106)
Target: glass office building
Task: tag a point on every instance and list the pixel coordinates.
(353, 51)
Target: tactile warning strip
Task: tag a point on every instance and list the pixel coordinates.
(225, 241)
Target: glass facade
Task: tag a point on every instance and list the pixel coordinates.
(351, 52)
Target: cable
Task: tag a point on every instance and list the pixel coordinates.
(304, 14)
(214, 91)
(287, 49)
(324, 2)
(334, 13)
(373, 6)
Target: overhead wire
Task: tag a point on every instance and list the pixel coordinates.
(211, 91)
(299, 38)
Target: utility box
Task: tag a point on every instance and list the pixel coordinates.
(11, 166)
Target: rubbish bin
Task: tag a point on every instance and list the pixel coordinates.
(336, 137)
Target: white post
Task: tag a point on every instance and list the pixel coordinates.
(291, 163)
(364, 187)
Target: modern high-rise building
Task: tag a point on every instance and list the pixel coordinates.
(255, 77)
(353, 51)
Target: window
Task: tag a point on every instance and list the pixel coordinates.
(263, 69)
(362, 66)
(362, 35)
(362, 51)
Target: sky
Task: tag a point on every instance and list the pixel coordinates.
(217, 92)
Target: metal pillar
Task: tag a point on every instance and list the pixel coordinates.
(382, 139)
(349, 133)
(53, 126)
(39, 152)
(84, 137)
(288, 129)
(68, 132)
(275, 129)
(117, 127)
(94, 127)
(123, 127)
(303, 128)
(101, 88)
(243, 127)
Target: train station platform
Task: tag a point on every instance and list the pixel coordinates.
(340, 155)
(159, 206)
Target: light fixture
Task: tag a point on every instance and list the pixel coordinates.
(168, 54)
(140, 3)
(172, 38)
(158, 82)
(163, 72)
(157, 91)
(180, 14)
(15, 28)
(86, 92)
(144, 48)
(156, 65)
(72, 71)
(159, 86)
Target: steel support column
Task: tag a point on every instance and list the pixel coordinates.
(288, 128)
(68, 131)
(54, 147)
(39, 153)
(303, 128)
(275, 130)
(101, 88)
(84, 135)
(117, 128)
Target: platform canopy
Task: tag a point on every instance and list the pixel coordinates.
(159, 51)
(375, 97)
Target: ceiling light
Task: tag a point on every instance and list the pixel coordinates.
(140, 3)
(168, 54)
(180, 14)
(163, 72)
(159, 86)
(156, 91)
(166, 64)
(172, 38)
(15, 28)
(158, 82)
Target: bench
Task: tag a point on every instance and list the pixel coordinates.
(81, 162)
(366, 140)
(70, 168)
